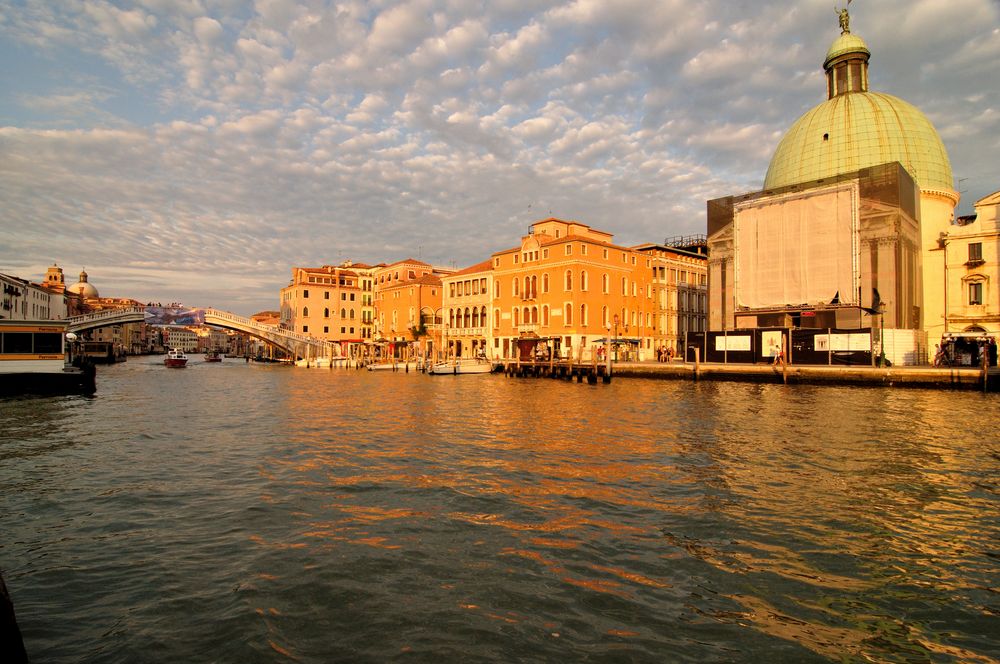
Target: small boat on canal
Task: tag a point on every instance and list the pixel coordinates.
(464, 365)
(213, 356)
(175, 359)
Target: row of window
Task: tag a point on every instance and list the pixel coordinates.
(344, 313)
(333, 281)
(531, 256)
(467, 287)
(326, 295)
(326, 330)
(529, 286)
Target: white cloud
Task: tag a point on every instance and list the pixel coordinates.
(289, 133)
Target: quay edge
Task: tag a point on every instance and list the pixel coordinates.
(924, 377)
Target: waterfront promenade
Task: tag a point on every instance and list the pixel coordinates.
(964, 378)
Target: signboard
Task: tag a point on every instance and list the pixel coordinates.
(174, 316)
(732, 343)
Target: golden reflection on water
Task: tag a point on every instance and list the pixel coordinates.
(878, 489)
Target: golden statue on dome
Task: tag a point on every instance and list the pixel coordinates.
(845, 19)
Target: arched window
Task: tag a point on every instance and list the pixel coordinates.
(482, 315)
(496, 318)
(545, 282)
(352, 314)
(517, 317)
(513, 288)
(604, 283)
(526, 316)
(583, 280)
(569, 280)
(534, 315)
(451, 318)
(568, 314)
(305, 311)
(545, 315)
(624, 286)
(534, 286)
(604, 317)
(343, 313)
(583, 314)
(496, 288)
(468, 318)
(475, 317)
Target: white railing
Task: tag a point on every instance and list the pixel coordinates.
(281, 337)
(106, 317)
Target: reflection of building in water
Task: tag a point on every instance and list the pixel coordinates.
(970, 251)
(839, 228)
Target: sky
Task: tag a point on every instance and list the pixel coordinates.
(196, 150)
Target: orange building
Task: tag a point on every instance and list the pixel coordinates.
(570, 281)
(323, 302)
(400, 322)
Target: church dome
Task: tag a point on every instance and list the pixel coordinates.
(856, 129)
(83, 287)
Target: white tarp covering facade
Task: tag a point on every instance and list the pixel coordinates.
(800, 248)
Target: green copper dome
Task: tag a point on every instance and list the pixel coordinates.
(857, 130)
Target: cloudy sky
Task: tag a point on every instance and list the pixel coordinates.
(196, 150)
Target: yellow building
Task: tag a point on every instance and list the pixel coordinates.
(970, 255)
(569, 281)
(855, 129)
(366, 280)
(323, 302)
(845, 233)
(462, 323)
(679, 287)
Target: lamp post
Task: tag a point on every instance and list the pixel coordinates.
(881, 334)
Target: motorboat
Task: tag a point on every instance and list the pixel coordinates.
(175, 358)
(465, 365)
(213, 356)
(34, 360)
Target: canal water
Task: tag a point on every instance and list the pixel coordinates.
(259, 513)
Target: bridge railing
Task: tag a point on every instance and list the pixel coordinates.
(266, 329)
(106, 314)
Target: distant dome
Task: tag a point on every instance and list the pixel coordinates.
(84, 287)
(856, 129)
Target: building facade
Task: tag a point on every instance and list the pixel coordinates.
(680, 289)
(855, 198)
(970, 255)
(400, 307)
(325, 303)
(569, 281)
(461, 325)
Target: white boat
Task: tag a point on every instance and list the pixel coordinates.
(33, 360)
(394, 366)
(465, 365)
(175, 358)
